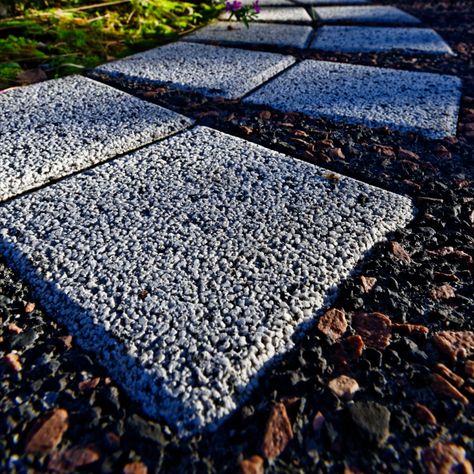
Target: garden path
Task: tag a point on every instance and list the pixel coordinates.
(185, 258)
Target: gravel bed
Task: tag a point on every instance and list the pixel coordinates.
(403, 418)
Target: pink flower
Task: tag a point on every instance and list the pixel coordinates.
(256, 6)
(233, 6)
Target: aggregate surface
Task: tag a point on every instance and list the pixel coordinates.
(377, 39)
(189, 264)
(295, 14)
(365, 14)
(207, 69)
(76, 123)
(404, 100)
(293, 36)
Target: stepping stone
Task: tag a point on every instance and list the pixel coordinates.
(406, 101)
(55, 128)
(188, 265)
(266, 34)
(365, 14)
(361, 39)
(279, 15)
(208, 70)
(332, 2)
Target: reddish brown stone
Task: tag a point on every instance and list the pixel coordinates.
(442, 152)
(415, 186)
(336, 153)
(253, 465)
(136, 467)
(326, 142)
(344, 387)
(423, 414)
(407, 154)
(67, 341)
(446, 458)
(441, 386)
(246, 130)
(374, 329)
(12, 327)
(410, 328)
(29, 307)
(462, 183)
(367, 283)
(89, 384)
(450, 375)
(355, 346)
(469, 391)
(13, 361)
(469, 368)
(333, 323)
(72, 459)
(265, 115)
(442, 293)
(318, 421)
(47, 432)
(399, 252)
(385, 150)
(278, 432)
(300, 133)
(455, 254)
(456, 344)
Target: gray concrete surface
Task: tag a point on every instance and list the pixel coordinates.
(264, 34)
(361, 39)
(406, 101)
(209, 70)
(364, 14)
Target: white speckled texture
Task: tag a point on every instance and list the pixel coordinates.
(209, 70)
(265, 34)
(236, 246)
(403, 100)
(360, 39)
(365, 14)
(294, 14)
(55, 128)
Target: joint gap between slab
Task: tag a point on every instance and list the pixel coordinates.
(297, 61)
(96, 165)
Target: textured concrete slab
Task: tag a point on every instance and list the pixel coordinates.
(209, 70)
(365, 14)
(188, 265)
(332, 2)
(55, 128)
(280, 15)
(265, 34)
(360, 39)
(403, 100)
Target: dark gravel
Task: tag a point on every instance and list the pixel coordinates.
(383, 429)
